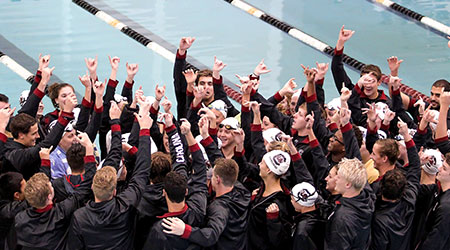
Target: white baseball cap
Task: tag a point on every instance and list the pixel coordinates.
(272, 134)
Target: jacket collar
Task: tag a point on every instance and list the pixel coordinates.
(45, 209)
(172, 214)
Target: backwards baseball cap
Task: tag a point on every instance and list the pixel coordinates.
(277, 161)
(432, 166)
(272, 134)
(304, 194)
(220, 106)
(229, 123)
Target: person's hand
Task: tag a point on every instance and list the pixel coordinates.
(424, 158)
(445, 98)
(421, 105)
(395, 82)
(345, 115)
(84, 140)
(261, 69)
(309, 121)
(309, 73)
(255, 107)
(205, 111)
(288, 87)
(160, 92)
(5, 115)
(246, 89)
(166, 104)
(344, 36)
(199, 92)
(44, 61)
(203, 125)
(185, 127)
(145, 122)
(85, 80)
(288, 140)
(239, 136)
(394, 65)
(345, 94)
(322, 69)
(336, 118)
(91, 64)
(370, 112)
(132, 70)
(70, 103)
(173, 225)
(388, 117)
(44, 153)
(428, 115)
(168, 119)
(186, 43)
(190, 75)
(114, 111)
(218, 66)
(363, 80)
(46, 74)
(402, 128)
(272, 208)
(99, 88)
(114, 62)
(137, 96)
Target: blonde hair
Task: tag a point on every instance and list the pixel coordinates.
(278, 145)
(354, 172)
(104, 183)
(37, 190)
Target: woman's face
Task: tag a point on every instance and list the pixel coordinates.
(63, 94)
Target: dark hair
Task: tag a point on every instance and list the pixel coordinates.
(370, 68)
(161, 165)
(393, 184)
(53, 91)
(4, 98)
(9, 184)
(75, 157)
(389, 148)
(21, 123)
(203, 73)
(227, 170)
(358, 134)
(442, 83)
(175, 185)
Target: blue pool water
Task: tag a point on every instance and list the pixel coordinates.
(69, 34)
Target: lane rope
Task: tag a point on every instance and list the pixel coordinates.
(403, 11)
(315, 43)
(16, 67)
(152, 45)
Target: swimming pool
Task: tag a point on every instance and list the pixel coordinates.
(235, 37)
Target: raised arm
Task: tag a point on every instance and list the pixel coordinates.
(35, 96)
(179, 81)
(337, 67)
(176, 145)
(115, 152)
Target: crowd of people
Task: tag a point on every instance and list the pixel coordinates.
(367, 170)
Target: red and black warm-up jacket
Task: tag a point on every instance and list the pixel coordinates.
(392, 221)
(153, 203)
(47, 228)
(26, 160)
(111, 224)
(192, 214)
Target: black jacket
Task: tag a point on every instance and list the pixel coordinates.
(437, 229)
(111, 224)
(26, 160)
(309, 230)
(270, 230)
(392, 221)
(348, 226)
(47, 228)
(153, 202)
(193, 212)
(225, 223)
(8, 210)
